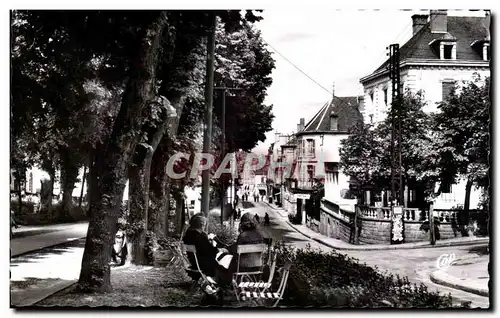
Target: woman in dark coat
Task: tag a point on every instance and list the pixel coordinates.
(205, 250)
(248, 235)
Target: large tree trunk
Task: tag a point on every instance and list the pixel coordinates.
(113, 163)
(69, 175)
(84, 176)
(179, 209)
(159, 189)
(138, 214)
(139, 190)
(464, 213)
(52, 175)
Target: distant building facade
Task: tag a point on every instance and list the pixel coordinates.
(443, 51)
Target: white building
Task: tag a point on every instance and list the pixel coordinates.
(443, 50)
(35, 176)
(317, 160)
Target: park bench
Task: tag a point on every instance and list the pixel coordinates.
(199, 278)
(264, 296)
(248, 285)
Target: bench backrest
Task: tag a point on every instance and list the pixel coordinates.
(250, 255)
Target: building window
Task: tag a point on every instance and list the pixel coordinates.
(447, 87)
(372, 99)
(445, 187)
(262, 180)
(302, 148)
(447, 52)
(385, 96)
(311, 148)
(332, 169)
(310, 171)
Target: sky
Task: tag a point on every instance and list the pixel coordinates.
(330, 46)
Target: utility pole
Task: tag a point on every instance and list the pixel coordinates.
(223, 145)
(396, 169)
(397, 225)
(432, 231)
(207, 136)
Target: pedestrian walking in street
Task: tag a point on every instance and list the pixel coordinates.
(266, 219)
(256, 218)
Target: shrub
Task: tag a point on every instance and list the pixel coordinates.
(27, 207)
(335, 280)
(226, 234)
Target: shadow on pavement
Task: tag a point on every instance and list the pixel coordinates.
(479, 250)
(247, 205)
(17, 235)
(278, 233)
(60, 249)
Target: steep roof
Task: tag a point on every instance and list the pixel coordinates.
(464, 29)
(346, 108)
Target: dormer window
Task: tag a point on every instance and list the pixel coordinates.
(486, 51)
(482, 47)
(333, 121)
(447, 52)
(446, 47)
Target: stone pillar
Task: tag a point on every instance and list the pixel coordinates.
(441, 51)
(454, 52)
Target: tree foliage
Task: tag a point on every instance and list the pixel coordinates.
(366, 154)
(462, 126)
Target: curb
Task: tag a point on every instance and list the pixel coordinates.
(391, 247)
(441, 278)
(30, 301)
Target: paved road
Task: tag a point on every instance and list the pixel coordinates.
(30, 238)
(416, 264)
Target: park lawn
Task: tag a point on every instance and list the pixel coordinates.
(134, 286)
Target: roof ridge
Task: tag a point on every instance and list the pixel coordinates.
(316, 115)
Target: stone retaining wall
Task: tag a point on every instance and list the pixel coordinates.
(375, 225)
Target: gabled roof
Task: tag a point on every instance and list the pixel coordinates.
(346, 108)
(464, 29)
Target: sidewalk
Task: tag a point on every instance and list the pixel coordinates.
(341, 245)
(42, 288)
(469, 277)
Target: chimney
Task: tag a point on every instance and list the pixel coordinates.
(439, 21)
(300, 125)
(419, 21)
(334, 121)
(333, 89)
